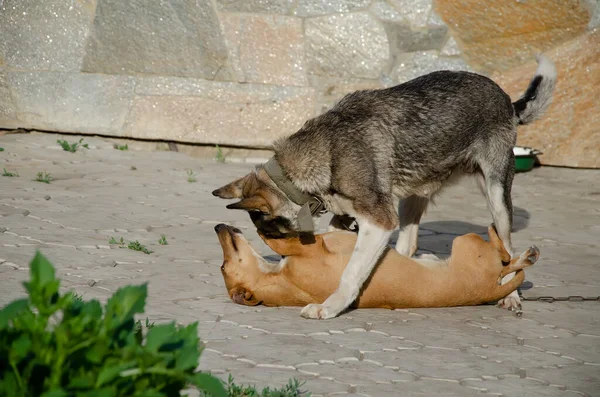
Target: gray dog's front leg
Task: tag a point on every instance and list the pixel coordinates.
(371, 242)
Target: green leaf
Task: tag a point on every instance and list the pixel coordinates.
(106, 392)
(187, 359)
(160, 335)
(208, 384)
(11, 311)
(42, 271)
(20, 347)
(55, 393)
(110, 372)
(126, 302)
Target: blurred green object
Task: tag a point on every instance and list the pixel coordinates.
(525, 158)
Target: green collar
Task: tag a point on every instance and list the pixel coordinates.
(311, 205)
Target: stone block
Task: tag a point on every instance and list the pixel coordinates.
(266, 6)
(88, 103)
(416, 12)
(267, 49)
(44, 35)
(347, 45)
(180, 38)
(568, 133)
(309, 8)
(419, 63)
(218, 112)
(330, 90)
(7, 108)
(403, 38)
(502, 34)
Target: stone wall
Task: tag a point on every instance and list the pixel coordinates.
(243, 72)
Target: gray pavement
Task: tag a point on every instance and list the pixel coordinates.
(553, 350)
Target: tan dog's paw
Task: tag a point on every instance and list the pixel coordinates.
(317, 311)
(512, 302)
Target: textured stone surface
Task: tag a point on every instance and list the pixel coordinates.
(553, 350)
(330, 90)
(506, 33)
(90, 103)
(173, 38)
(405, 39)
(569, 133)
(416, 12)
(266, 6)
(266, 49)
(319, 7)
(7, 108)
(419, 63)
(335, 47)
(44, 35)
(212, 112)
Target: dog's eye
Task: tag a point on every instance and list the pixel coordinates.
(223, 267)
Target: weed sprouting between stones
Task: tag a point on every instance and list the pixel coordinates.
(9, 174)
(43, 177)
(72, 147)
(191, 176)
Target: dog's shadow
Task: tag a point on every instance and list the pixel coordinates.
(436, 237)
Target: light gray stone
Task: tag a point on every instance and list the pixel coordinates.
(267, 49)
(258, 6)
(386, 12)
(331, 89)
(90, 103)
(424, 62)
(307, 8)
(192, 110)
(348, 45)
(451, 47)
(179, 38)
(44, 35)
(7, 108)
(415, 11)
(405, 39)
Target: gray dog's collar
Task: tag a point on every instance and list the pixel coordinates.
(311, 205)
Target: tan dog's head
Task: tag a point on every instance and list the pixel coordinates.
(241, 265)
(488, 252)
(270, 210)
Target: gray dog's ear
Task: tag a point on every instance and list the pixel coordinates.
(233, 189)
(255, 203)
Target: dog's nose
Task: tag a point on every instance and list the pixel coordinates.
(219, 227)
(215, 193)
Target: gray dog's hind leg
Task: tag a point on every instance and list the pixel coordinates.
(410, 211)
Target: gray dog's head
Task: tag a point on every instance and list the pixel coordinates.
(271, 211)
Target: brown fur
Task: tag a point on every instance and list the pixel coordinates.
(311, 272)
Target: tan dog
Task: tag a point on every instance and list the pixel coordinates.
(309, 273)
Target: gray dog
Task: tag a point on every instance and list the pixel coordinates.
(378, 150)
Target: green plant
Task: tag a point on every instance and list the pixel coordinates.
(133, 168)
(120, 242)
(163, 240)
(11, 174)
(292, 389)
(121, 147)
(191, 176)
(1, 149)
(132, 245)
(43, 177)
(137, 246)
(219, 157)
(72, 147)
(54, 345)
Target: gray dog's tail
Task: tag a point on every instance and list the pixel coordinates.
(538, 96)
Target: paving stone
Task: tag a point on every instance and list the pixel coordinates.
(416, 352)
(309, 8)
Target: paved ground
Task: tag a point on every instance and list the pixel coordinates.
(553, 350)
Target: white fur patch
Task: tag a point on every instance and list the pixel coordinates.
(269, 267)
(545, 68)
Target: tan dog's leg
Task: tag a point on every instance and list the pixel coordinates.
(524, 260)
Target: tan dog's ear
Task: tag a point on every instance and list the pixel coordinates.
(233, 189)
(293, 246)
(241, 296)
(498, 244)
(255, 203)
